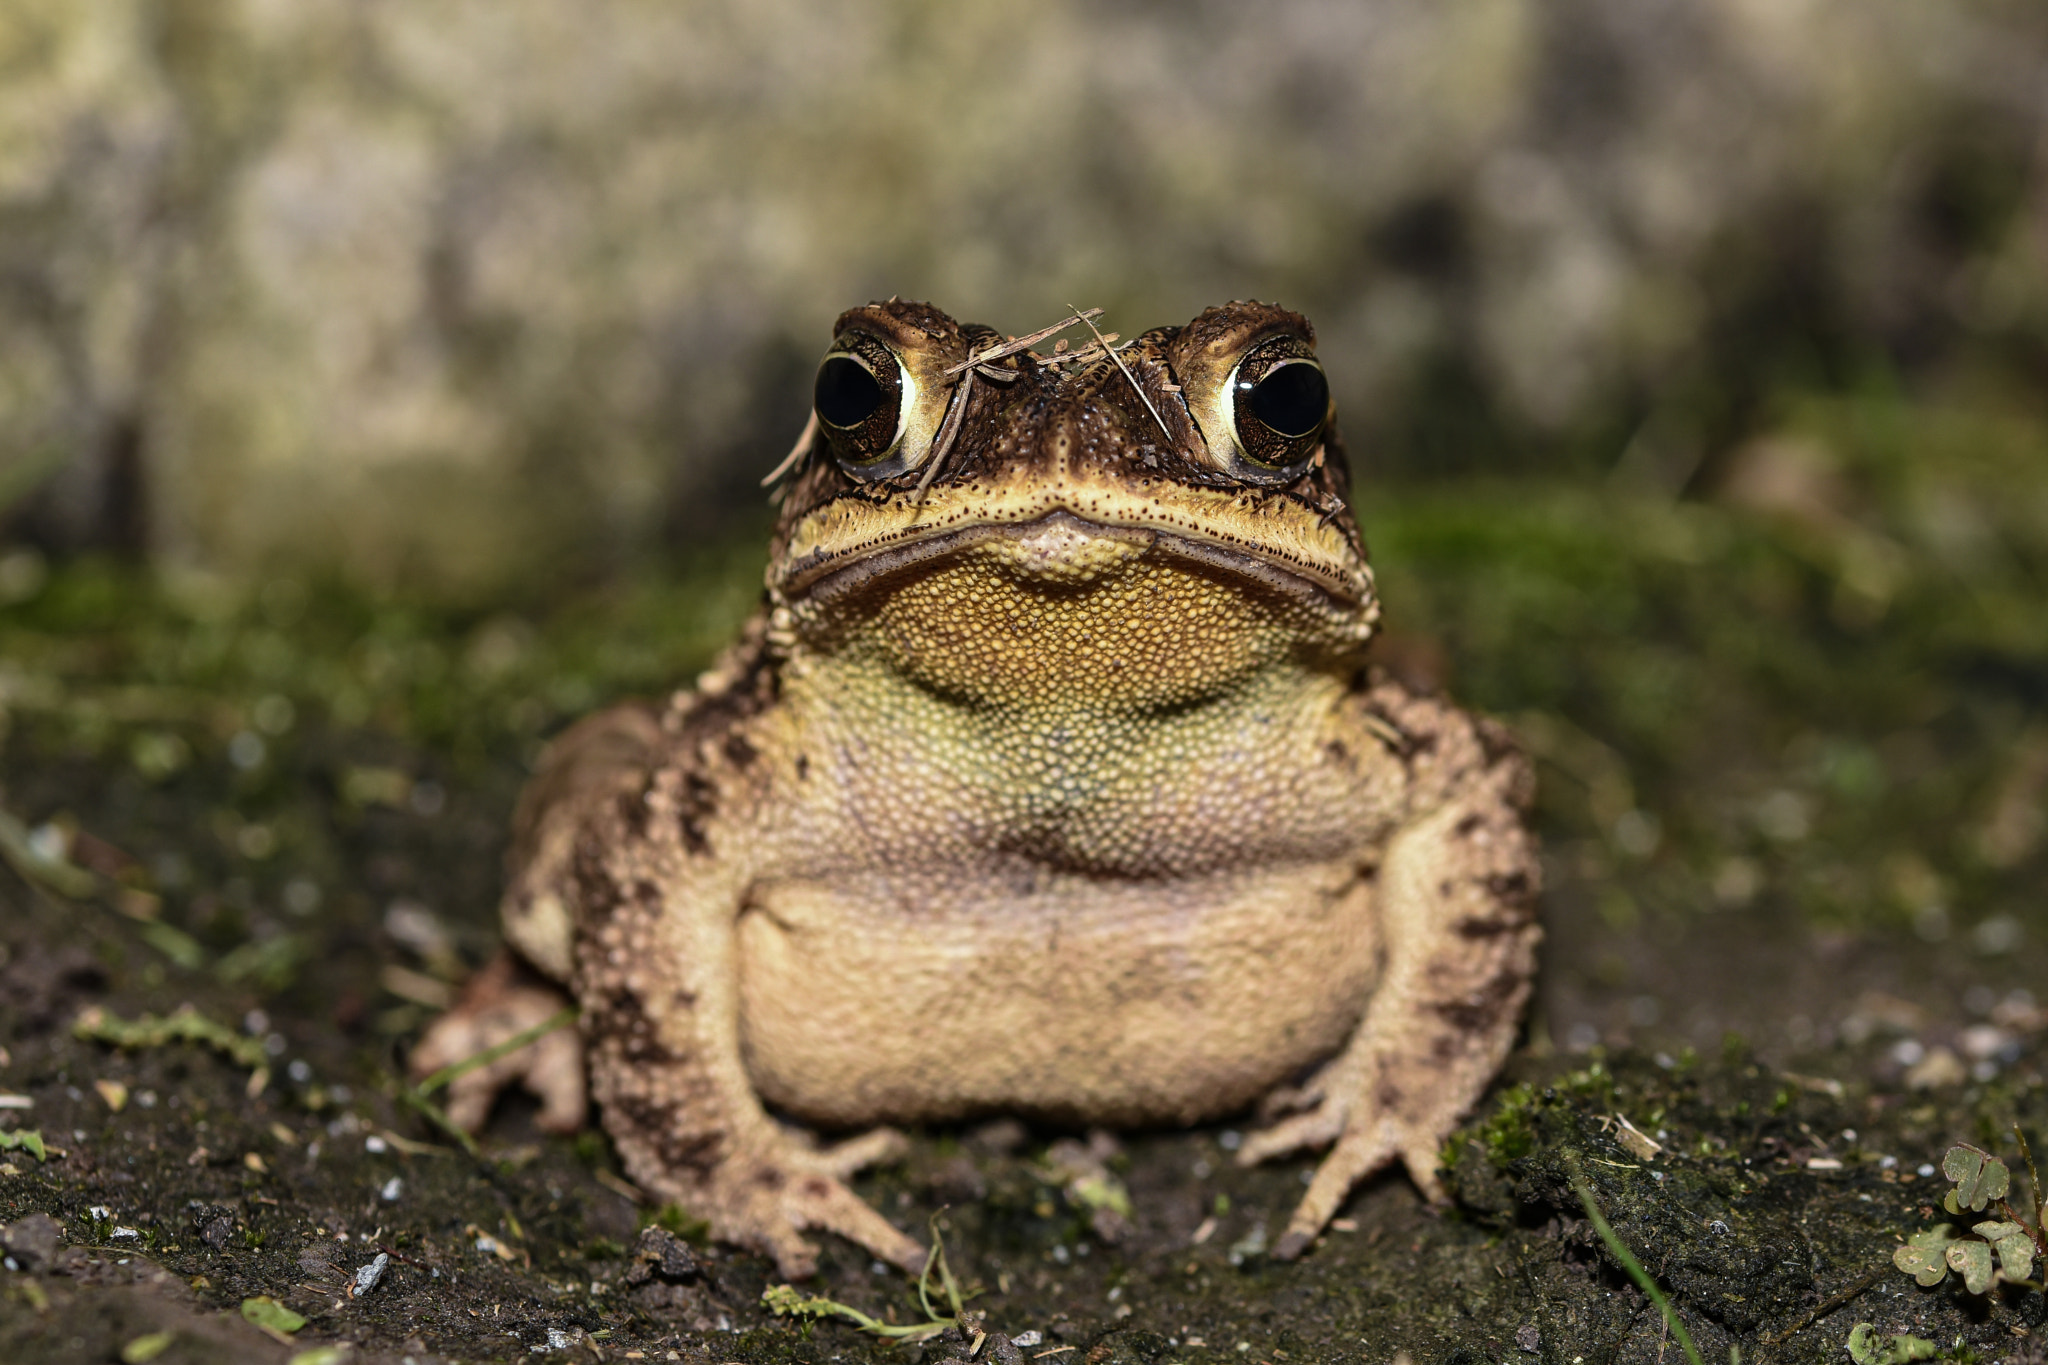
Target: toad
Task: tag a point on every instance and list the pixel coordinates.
(1051, 780)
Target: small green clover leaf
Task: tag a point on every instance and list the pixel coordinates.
(1972, 1260)
(2014, 1247)
(1979, 1178)
(1925, 1255)
(1996, 1250)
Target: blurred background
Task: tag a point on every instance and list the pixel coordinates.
(409, 370)
(472, 294)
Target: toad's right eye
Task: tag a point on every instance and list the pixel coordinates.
(861, 395)
(846, 394)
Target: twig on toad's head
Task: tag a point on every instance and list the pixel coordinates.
(1089, 353)
(796, 452)
(1635, 1270)
(980, 363)
(1130, 379)
(956, 416)
(1002, 350)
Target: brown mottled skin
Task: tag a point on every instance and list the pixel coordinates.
(1058, 789)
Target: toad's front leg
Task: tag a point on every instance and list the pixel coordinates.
(1457, 899)
(657, 976)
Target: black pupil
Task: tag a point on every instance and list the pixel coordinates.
(847, 394)
(1291, 399)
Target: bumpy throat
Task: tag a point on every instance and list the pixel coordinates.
(1110, 712)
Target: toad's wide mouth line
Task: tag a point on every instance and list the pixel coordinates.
(826, 576)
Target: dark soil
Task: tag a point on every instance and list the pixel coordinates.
(1780, 947)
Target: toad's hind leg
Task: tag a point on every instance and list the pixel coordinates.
(1458, 896)
(605, 755)
(657, 979)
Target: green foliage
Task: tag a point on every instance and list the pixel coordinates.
(271, 1315)
(322, 1355)
(1798, 646)
(1868, 1349)
(270, 964)
(1925, 1255)
(1979, 1178)
(28, 1140)
(680, 1221)
(41, 866)
(603, 1249)
(1509, 1133)
(143, 1349)
(785, 1302)
(184, 1025)
(1992, 1251)
(156, 672)
(1865, 1348)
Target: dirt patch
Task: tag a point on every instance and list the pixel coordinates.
(1774, 807)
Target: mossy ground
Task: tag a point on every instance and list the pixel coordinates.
(1794, 760)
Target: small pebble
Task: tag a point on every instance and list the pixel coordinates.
(367, 1276)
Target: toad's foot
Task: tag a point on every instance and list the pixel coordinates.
(499, 1003)
(764, 1196)
(1367, 1136)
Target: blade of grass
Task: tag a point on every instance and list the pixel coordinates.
(2039, 1232)
(415, 1096)
(560, 1018)
(434, 1114)
(1633, 1266)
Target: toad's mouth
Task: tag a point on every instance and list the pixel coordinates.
(1061, 547)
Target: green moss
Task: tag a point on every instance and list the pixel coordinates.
(674, 1218)
(1509, 1133)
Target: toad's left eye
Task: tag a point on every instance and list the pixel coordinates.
(861, 394)
(1279, 400)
